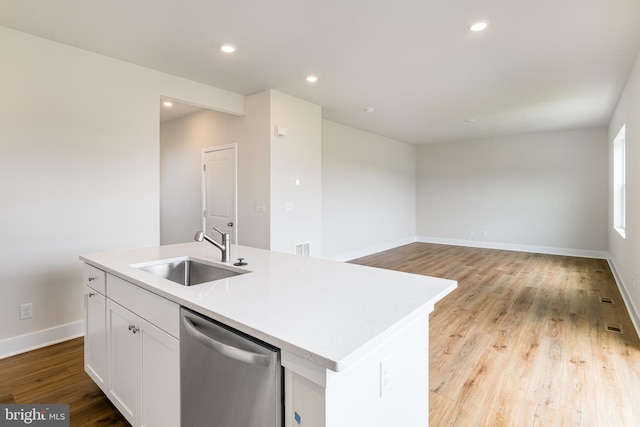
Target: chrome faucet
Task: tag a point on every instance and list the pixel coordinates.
(225, 247)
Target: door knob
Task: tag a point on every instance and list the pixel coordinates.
(230, 224)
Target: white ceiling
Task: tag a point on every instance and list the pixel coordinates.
(542, 65)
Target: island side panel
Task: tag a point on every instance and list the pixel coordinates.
(388, 386)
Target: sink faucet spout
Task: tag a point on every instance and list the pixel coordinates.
(225, 246)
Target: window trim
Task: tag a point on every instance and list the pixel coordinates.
(619, 183)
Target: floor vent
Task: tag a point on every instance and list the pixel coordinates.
(599, 271)
(606, 300)
(613, 327)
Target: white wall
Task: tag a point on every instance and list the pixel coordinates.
(79, 172)
(254, 173)
(544, 191)
(625, 253)
(296, 212)
(368, 192)
(182, 141)
(181, 144)
(267, 167)
(79, 134)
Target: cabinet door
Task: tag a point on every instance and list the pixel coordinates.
(160, 378)
(95, 336)
(124, 360)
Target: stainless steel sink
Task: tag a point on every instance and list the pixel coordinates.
(188, 271)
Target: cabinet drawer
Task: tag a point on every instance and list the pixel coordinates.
(153, 308)
(94, 278)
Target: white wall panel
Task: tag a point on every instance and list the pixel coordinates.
(79, 169)
(625, 253)
(296, 211)
(538, 190)
(181, 144)
(368, 192)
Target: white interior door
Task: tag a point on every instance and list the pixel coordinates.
(219, 190)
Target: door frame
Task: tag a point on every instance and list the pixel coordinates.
(203, 202)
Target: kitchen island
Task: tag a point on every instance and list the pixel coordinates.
(353, 339)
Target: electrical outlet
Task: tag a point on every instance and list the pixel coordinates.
(385, 375)
(26, 311)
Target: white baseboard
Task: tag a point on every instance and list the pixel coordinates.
(514, 247)
(34, 340)
(628, 301)
(371, 250)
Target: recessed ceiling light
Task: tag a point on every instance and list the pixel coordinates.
(228, 48)
(167, 104)
(369, 109)
(479, 26)
(312, 79)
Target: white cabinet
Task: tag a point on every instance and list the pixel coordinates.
(144, 382)
(160, 378)
(124, 360)
(144, 360)
(95, 341)
(132, 348)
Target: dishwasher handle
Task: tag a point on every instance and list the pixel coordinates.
(226, 350)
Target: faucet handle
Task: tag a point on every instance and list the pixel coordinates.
(224, 234)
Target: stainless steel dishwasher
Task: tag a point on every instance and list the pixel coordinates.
(228, 379)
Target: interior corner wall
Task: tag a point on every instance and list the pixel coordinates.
(535, 191)
(625, 252)
(79, 134)
(254, 172)
(181, 144)
(368, 192)
(296, 210)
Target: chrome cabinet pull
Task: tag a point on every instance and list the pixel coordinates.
(91, 294)
(133, 328)
(92, 278)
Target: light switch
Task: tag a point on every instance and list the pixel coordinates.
(281, 131)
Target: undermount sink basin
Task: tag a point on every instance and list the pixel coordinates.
(188, 271)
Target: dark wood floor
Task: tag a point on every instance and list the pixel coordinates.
(521, 342)
(524, 341)
(55, 375)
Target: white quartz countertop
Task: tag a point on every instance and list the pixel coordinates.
(329, 313)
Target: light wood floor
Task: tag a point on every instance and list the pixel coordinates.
(522, 341)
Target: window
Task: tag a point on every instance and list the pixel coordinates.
(619, 185)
